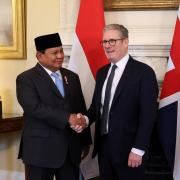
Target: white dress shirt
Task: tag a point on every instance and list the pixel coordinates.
(117, 76)
(49, 72)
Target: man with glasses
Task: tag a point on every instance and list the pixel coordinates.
(124, 108)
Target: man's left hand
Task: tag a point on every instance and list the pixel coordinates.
(134, 160)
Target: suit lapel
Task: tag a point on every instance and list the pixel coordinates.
(101, 81)
(44, 77)
(124, 79)
(65, 82)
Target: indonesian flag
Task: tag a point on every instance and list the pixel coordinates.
(169, 107)
(87, 55)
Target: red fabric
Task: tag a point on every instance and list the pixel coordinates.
(89, 28)
(171, 82)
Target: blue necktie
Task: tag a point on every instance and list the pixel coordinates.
(105, 112)
(58, 82)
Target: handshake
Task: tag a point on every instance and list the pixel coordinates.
(77, 122)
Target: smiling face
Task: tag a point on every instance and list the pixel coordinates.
(117, 51)
(52, 58)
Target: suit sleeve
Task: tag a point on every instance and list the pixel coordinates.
(34, 108)
(86, 134)
(93, 111)
(147, 109)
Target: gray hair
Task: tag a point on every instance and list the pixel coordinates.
(122, 30)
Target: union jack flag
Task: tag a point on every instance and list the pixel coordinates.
(169, 107)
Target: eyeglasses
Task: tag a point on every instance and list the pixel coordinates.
(111, 42)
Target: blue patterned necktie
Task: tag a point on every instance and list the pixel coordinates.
(58, 83)
(105, 112)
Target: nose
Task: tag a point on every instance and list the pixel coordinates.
(60, 55)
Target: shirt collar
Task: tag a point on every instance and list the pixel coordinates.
(49, 71)
(122, 62)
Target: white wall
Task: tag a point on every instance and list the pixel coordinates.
(146, 27)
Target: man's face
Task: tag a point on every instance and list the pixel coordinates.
(52, 58)
(114, 45)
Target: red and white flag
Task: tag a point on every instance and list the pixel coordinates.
(87, 55)
(169, 107)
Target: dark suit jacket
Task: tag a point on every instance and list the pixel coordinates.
(47, 137)
(132, 113)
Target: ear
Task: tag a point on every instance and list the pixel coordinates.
(38, 55)
(126, 42)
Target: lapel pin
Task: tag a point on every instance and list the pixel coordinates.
(65, 78)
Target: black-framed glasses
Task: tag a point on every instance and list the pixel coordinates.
(111, 42)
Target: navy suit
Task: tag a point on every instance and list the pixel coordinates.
(47, 138)
(131, 118)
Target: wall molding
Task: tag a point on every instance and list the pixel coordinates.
(138, 50)
(155, 56)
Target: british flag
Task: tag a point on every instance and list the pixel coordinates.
(169, 107)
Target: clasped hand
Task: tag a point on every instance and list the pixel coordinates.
(77, 122)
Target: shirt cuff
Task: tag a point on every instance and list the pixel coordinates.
(87, 120)
(138, 151)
